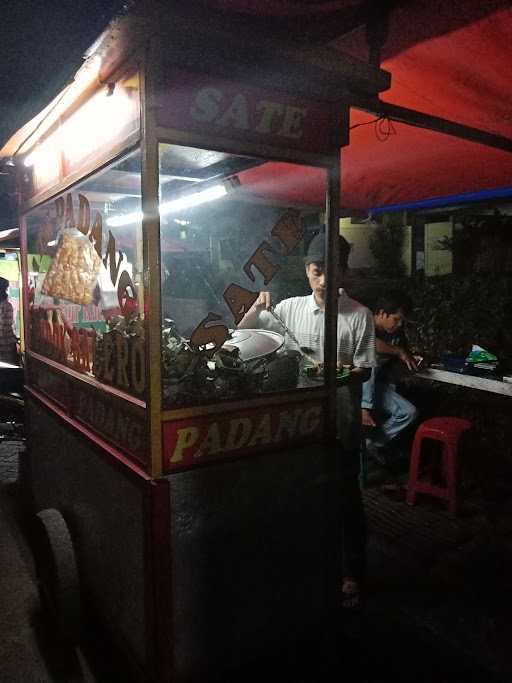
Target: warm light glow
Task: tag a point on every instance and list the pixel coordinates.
(186, 202)
(46, 155)
(103, 116)
(8, 233)
(83, 79)
(107, 118)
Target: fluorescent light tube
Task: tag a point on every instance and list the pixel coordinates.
(186, 202)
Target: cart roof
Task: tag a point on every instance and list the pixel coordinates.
(450, 61)
(202, 41)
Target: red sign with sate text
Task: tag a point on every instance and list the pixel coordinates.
(196, 102)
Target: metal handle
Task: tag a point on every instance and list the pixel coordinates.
(291, 335)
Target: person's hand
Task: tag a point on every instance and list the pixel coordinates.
(264, 301)
(419, 361)
(408, 359)
(367, 419)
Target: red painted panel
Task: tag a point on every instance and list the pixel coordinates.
(119, 421)
(197, 102)
(199, 440)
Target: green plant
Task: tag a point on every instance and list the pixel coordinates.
(452, 312)
(386, 245)
(481, 244)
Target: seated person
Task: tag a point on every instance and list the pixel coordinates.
(383, 409)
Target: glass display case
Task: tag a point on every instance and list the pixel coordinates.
(223, 238)
(221, 243)
(84, 277)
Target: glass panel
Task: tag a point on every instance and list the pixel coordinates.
(85, 277)
(232, 227)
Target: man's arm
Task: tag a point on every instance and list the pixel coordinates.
(398, 351)
(262, 303)
(364, 351)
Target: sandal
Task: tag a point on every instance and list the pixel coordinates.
(351, 599)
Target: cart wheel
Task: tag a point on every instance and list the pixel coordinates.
(57, 575)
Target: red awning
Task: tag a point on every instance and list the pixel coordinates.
(464, 76)
(451, 60)
(448, 59)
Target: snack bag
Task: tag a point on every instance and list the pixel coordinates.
(480, 355)
(74, 270)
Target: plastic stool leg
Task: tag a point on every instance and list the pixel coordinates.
(414, 470)
(450, 451)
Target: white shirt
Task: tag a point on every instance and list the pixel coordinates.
(306, 321)
(356, 346)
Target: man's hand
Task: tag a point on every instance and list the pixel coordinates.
(264, 301)
(419, 361)
(250, 319)
(399, 352)
(367, 419)
(408, 359)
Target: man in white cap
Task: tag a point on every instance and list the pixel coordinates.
(304, 316)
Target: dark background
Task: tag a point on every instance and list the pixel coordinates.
(42, 43)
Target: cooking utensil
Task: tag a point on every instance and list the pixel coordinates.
(253, 344)
(291, 335)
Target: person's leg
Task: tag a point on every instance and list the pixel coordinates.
(368, 391)
(368, 419)
(353, 531)
(400, 413)
(374, 397)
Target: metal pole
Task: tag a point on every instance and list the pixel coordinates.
(331, 318)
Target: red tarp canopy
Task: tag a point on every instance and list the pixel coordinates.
(452, 60)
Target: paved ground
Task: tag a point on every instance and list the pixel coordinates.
(438, 607)
(445, 581)
(28, 654)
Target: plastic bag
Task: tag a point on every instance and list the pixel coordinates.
(74, 270)
(480, 355)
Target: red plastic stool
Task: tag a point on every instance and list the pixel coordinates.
(448, 430)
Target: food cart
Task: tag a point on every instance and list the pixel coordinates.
(183, 471)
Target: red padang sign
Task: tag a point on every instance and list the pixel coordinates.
(200, 439)
(196, 102)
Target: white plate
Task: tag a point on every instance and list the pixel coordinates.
(254, 343)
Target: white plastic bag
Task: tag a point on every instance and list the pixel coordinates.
(74, 270)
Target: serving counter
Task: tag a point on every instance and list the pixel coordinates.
(495, 386)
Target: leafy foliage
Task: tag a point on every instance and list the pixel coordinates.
(386, 245)
(452, 312)
(481, 244)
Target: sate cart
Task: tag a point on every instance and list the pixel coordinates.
(183, 472)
